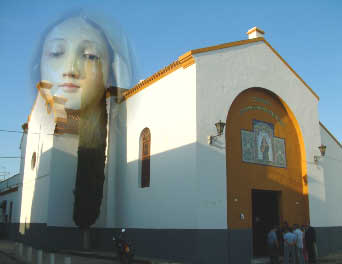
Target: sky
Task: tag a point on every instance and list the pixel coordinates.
(307, 34)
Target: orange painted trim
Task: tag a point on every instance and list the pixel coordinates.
(15, 189)
(292, 70)
(247, 41)
(60, 120)
(152, 79)
(187, 60)
(34, 104)
(184, 61)
(59, 100)
(255, 29)
(224, 46)
(330, 134)
(44, 84)
(24, 127)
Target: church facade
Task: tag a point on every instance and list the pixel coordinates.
(182, 189)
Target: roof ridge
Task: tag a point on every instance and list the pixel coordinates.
(187, 59)
(153, 78)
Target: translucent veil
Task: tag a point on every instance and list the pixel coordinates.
(123, 65)
(92, 125)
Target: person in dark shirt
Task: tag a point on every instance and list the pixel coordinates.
(284, 226)
(273, 245)
(310, 240)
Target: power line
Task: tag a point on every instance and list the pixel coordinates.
(23, 132)
(14, 157)
(11, 131)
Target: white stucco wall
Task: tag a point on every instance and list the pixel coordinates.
(35, 184)
(221, 76)
(328, 207)
(188, 176)
(17, 211)
(167, 108)
(63, 170)
(46, 192)
(114, 138)
(63, 167)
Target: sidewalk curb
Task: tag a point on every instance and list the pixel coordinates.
(98, 256)
(105, 255)
(18, 260)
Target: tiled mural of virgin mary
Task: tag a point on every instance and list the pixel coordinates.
(263, 133)
(260, 146)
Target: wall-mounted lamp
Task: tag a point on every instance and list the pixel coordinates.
(322, 148)
(219, 127)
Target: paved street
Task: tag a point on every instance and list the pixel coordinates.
(5, 259)
(9, 255)
(8, 259)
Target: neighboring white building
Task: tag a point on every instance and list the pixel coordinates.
(180, 196)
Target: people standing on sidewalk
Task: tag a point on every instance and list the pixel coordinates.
(273, 245)
(282, 229)
(305, 250)
(284, 226)
(289, 246)
(299, 244)
(310, 239)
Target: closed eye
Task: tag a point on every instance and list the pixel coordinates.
(56, 53)
(89, 56)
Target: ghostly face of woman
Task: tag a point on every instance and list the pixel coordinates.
(75, 61)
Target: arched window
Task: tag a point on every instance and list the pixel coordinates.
(145, 153)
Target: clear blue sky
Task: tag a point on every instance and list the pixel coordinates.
(307, 34)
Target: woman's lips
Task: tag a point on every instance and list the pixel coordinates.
(69, 87)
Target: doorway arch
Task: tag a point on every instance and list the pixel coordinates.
(258, 115)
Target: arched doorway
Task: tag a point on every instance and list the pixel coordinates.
(266, 170)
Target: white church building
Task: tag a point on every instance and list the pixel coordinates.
(182, 189)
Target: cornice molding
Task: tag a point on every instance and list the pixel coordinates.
(186, 60)
(24, 127)
(152, 79)
(226, 45)
(10, 190)
(290, 68)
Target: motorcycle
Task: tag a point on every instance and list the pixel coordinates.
(123, 248)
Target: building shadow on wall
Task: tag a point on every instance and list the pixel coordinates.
(50, 222)
(181, 216)
(328, 236)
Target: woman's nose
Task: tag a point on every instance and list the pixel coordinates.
(72, 69)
